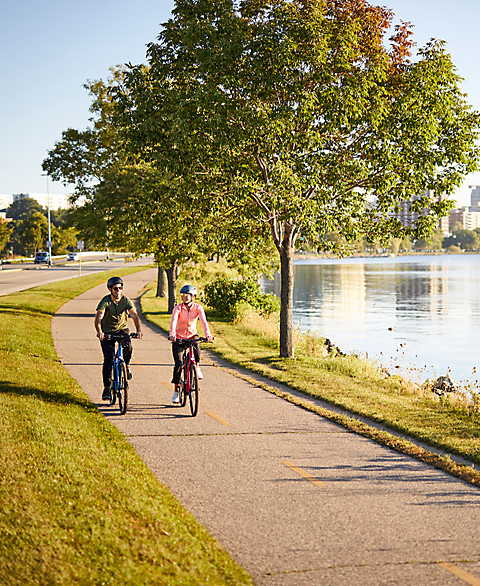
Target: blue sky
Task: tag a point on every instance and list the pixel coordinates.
(50, 49)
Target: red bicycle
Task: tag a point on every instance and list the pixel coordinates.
(188, 386)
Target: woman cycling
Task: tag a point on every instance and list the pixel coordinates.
(183, 326)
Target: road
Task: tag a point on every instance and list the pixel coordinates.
(295, 499)
(15, 278)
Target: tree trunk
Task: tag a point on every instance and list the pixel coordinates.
(162, 283)
(172, 285)
(286, 251)
(284, 235)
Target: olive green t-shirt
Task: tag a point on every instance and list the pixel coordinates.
(116, 314)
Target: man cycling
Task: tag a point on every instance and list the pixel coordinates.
(111, 317)
(184, 326)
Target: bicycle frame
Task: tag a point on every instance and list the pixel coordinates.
(189, 386)
(188, 359)
(117, 359)
(119, 372)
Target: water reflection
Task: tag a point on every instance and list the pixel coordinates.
(420, 315)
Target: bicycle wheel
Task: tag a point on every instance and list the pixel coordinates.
(193, 395)
(122, 388)
(181, 393)
(113, 387)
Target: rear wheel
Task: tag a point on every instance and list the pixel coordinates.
(193, 395)
(113, 392)
(122, 388)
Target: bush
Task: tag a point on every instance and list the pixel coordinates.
(228, 297)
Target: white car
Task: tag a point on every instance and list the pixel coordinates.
(73, 256)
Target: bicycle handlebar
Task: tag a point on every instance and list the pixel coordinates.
(113, 336)
(191, 341)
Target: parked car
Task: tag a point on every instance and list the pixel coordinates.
(41, 257)
(73, 256)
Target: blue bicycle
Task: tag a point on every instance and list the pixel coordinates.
(119, 384)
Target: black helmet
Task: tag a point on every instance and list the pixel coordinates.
(189, 289)
(114, 281)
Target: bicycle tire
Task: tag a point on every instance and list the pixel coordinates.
(193, 394)
(182, 395)
(122, 389)
(113, 387)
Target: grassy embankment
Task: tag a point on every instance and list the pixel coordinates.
(451, 424)
(78, 505)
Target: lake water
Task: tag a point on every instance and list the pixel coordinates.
(417, 315)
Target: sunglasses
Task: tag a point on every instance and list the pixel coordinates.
(117, 288)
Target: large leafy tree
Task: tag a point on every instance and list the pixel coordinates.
(306, 110)
(125, 198)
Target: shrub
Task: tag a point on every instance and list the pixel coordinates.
(228, 297)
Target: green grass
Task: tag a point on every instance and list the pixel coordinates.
(351, 383)
(78, 504)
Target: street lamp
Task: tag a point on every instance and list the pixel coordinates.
(49, 242)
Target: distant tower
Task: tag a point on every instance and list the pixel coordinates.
(475, 201)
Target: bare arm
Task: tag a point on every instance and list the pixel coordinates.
(98, 324)
(136, 321)
(173, 324)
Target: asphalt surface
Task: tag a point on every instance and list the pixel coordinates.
(293, 497)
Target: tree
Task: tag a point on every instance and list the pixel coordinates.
(22, 208)
(32, 231)
(5, 232)
(64, 239)
(467, 240)
(124, 198)
(304, 109)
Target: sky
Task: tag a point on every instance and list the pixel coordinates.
(51, 48)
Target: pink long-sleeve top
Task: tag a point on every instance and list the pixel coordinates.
(184, 321)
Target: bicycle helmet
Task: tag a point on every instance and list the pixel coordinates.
(114, 281)
(189, 289)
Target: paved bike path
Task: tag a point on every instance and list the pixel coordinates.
(366, 514)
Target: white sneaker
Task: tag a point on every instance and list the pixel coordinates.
(175, 398)
(199, 372)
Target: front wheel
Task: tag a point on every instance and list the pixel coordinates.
(122, 388)
(193, 395)
(113, 387)
(182, 388)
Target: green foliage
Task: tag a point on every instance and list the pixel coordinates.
(32, 232)
(5, 231)
(22, 208)
(231, 297)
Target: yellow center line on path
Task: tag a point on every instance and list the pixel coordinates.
(217, 418)
(464, 575)
(303, 473)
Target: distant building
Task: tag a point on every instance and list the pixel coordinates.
(409, 218)
(475, 198)
(444, 225)
(56, 201)
(466, 217)
(5, 201)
